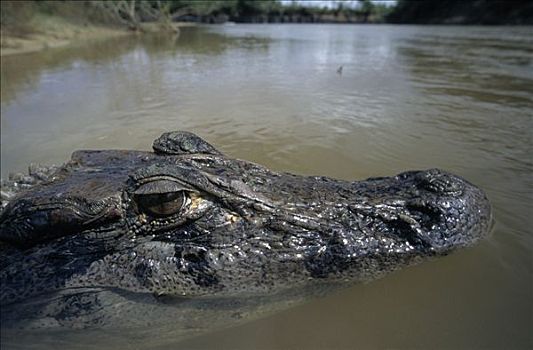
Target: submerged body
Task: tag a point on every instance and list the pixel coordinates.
(183, 239)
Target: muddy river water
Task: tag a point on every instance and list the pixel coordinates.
(408, 97)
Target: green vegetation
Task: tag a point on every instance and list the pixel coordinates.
(17, 15)
(273, 11)
(462, 12)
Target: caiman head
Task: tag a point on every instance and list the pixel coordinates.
(187, 221)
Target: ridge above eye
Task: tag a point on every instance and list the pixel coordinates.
(159, 186)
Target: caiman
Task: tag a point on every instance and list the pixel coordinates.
(142, 248)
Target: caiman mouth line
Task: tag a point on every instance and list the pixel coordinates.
(37, 222)
(23, 210)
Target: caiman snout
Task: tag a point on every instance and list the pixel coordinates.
(445, 210)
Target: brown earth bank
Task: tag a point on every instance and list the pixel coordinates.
(50, 32)
(29, 26)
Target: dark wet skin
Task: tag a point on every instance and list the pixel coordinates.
(116, 239)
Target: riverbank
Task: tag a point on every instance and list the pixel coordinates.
(50, 32)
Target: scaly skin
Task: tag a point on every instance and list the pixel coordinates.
(147, 240)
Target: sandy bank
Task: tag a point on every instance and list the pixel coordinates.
(52, 32)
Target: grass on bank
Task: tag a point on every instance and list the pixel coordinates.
(27, 26)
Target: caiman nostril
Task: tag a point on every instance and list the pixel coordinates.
(441, 183)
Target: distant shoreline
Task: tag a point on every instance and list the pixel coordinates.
(53, 32)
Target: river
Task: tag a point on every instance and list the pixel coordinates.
(408, 97)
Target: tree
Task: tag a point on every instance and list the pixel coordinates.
(367, 7)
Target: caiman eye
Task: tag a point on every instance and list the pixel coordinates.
(160, 198)
(161, 204)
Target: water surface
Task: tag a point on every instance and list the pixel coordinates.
(409, 97)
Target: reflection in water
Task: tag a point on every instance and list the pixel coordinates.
(457, 98)
(24, 72)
